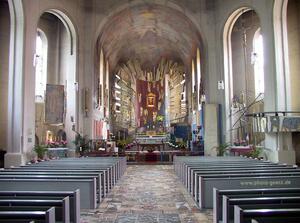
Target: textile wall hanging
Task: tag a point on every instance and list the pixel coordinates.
(150, 102)
(98, 126)
(54, 104)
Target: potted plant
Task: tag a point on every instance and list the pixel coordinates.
(222, 149)
(182, 145)
(40, 151)
(255, 153)
(81, 143)
(121, 144)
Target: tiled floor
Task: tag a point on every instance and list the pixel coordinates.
(148, 194)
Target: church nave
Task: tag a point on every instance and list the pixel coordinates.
(148, 194)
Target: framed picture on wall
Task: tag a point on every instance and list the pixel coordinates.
(151, 100)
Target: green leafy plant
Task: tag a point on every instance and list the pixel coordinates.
(121, 144)
(222, 149)
(81, 143)
(255, 153)
(160, 118)
(40, 151)
(182, 145)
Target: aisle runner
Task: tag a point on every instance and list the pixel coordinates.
(148, 194)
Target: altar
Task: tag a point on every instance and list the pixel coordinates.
(61, 152)
(141, 157)
(151, 142)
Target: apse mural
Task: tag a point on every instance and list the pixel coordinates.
(144, 99)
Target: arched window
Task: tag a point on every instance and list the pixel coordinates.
(40, 66)
(258, 62)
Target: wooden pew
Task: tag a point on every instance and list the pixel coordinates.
(239, 173)
(105, 177)
(87, 174)
(200, 175)
(184, 166)
(257, 203)
(98, 191)
(117, 164)
(240, 181)
(74, 167)
(62, 208)
(47, 216)
(283, 215)
(241, 193)
(181, 161)
(87, 187)
(60, 174)
(74, 199)
(194, 171)
(232, 166)
(115, 167)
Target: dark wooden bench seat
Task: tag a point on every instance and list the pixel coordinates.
(184, 166)
(47, 216)
(109, 177)
(193, 183)
(74, 199)
(240, 181)
(62, 208)
(236, 174)
(102, 173)
(93, 177)
(248, 193)
(186, 170)
(101, 181)
(256, 203)
(97, 189)
(189, 178)
(87, 187)
(187, 166)
(282, 215)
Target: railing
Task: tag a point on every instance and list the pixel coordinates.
(276, 121)
(274, 113)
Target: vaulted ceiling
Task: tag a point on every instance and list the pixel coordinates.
(148, 33)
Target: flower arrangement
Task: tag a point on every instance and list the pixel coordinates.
(240, 143)
(54, 144)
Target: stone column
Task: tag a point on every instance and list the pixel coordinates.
(14, 155)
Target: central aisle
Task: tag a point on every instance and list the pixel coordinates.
(148, 194)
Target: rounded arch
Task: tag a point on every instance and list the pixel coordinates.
(73, 35)
(68, 23)
(70, 76)
(227, 60)
(42, 34)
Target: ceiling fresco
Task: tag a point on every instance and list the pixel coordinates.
(148, 33)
